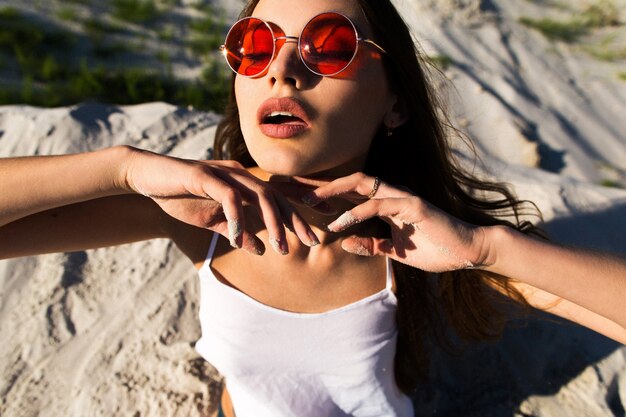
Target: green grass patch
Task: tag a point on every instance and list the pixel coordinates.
(207, 35)
(129, 86)
(602, 13)
(610, 183)
(621, 76)
(67, 13)
(605, 53)
(566, 31)
(443, 62)
(35, 51)
(166, 34)
(606, 50)
(98, 29)
(8, 13)
(202, 45)
(107, 50)
(51, 77)
(135, 11)
(163, 56)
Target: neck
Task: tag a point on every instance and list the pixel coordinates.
(317, 220)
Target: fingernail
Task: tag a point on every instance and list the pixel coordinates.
(234, 231)
(347, 219)
(279, 246)
(257, 249)
(313, 240)
(310, 199)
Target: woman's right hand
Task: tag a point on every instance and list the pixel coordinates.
(211, 195)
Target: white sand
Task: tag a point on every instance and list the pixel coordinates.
(110, 332)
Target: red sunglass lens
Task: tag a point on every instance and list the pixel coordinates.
(249, 47)
(328, 43)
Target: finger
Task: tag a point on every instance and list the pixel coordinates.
(370, 246)
(294, 193)
(262, 197)
(251, 243)
(265, 201)
(232, 206)
(357, 186)
(404, 210)
(298, 225)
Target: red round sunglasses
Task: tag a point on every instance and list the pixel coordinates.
(327, 45)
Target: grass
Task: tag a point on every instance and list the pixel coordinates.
(207, 35)
(605, 53)
(135, 11)
(621, 76)
(43, 58)
(166, 34)
(566, 31)
(98, 28)
(610, 183)
(67, 13)
(606, 50)
(602, 13)
(130, 86)
(443, 62)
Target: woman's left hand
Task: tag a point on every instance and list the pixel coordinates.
(422, 235)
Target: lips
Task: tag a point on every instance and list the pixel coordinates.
(282, 118)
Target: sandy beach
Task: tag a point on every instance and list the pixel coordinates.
(110, 332)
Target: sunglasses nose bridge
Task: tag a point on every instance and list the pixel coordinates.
(281, 41)
(287, 39)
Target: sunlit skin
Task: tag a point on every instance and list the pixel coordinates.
(122, 194)
(344, 115)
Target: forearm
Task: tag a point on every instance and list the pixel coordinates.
(92, 224)
(34, 184)
(596, 282)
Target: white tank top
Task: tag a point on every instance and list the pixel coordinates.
(283, 364)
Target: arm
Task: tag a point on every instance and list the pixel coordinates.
(580, 285)
(585, 287)
(102, 222)
(88, 200)
(72, 202)
(33, 184)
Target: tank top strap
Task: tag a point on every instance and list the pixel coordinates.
(389, 281)
(211, 252)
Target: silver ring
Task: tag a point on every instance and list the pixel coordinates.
(374, 188)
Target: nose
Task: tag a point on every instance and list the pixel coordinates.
(287, 67)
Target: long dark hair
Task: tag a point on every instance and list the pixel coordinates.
(418, 156)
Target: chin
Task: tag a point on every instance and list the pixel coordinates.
(286, 166)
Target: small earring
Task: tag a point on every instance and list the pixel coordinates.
(389, 131)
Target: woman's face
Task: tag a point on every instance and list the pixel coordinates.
(338, 116)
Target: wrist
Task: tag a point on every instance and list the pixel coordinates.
(125, 157)
(496, 238)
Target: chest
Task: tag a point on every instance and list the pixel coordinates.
(315, 283)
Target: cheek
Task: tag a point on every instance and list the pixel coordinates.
(245, 104)
(362, 111)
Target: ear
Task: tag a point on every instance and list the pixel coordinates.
(397, 114)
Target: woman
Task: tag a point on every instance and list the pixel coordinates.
(336, 319)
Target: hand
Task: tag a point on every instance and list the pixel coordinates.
(211, 195)
(422, 235)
